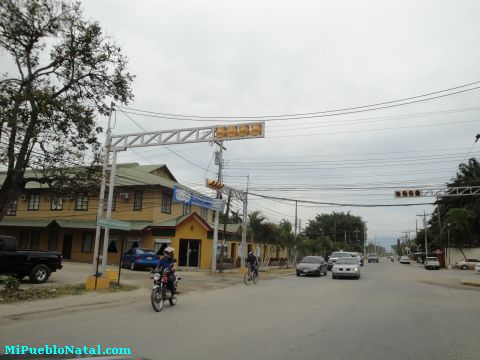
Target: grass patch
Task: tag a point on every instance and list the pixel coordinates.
(53, 292)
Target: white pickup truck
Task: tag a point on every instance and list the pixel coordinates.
(432, 263)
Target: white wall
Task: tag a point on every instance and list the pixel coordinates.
(454, 255)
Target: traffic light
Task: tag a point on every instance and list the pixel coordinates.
(214, 184)
(408, 193)
(229, 132)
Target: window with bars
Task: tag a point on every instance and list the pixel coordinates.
(34, 202)
(167, 203)
(12, 210)
(187, 209)
(87, 242)
(57, 203)
(137, 201)
(204, 213)
(81, 202)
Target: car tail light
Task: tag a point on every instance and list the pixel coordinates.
(138, 257)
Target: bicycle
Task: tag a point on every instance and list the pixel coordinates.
(250, 276)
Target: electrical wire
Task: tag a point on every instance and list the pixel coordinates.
(342, 111)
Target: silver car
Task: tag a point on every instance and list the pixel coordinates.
(346, 267)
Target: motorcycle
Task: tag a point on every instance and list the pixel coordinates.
(160, 293)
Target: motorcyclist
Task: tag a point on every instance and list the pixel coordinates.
(252, 262)
(168, 262)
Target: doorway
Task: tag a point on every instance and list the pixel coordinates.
(189, 253)
(67, 246)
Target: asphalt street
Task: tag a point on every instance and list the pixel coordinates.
(392, 312)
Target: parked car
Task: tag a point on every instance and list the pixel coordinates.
(477, 268)
(36, 264)
(136, 258)
(466, 264)
(372, 258)
(312, 265)
(335, 256)
(404, 260)
(346, 267)
(432, 263)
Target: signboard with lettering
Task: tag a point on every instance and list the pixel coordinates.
(188, 197)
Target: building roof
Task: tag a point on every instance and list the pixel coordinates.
(64, 224)
(129, 174)
(174, 222)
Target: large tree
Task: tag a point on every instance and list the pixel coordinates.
(65, 72)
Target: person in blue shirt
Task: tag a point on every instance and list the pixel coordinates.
(168, 262)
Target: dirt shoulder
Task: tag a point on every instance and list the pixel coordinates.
(196, 281)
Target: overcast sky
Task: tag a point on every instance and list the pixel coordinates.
(265, 58)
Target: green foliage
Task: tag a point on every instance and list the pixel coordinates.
(336, 231)
(11, 284)
(461, 223)
(65, 73)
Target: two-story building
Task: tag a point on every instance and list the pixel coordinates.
(143, 197)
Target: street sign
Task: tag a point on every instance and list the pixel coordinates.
(188, 197)
(114, 224)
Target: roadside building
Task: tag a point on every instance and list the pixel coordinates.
(143, 197)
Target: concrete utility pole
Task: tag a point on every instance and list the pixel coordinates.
(425, 227)
(219, 162)
(102, 193)
(295, 234)
(364, 243)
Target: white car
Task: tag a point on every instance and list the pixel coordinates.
(466, 264)
(404, 260)
(346, 267)
(477, 268)
(432, 263)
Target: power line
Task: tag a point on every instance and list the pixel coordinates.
(341, 111)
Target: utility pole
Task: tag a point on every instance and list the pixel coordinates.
(364, 243)
(219, 162)
(295, 234)
(425, 228)
(345, 239)
(375, 244)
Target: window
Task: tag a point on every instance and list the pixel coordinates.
(204, 213)
(35, 240)
(81, 202)
(187, 209)
(52, 240)
(34, 202)
(57, 203)
(167, 203)
(12, 210)
(137, 202)
(87, 242)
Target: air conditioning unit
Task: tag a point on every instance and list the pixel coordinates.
(125, 196)
(23, 197)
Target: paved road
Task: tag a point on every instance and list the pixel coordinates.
(388, 314)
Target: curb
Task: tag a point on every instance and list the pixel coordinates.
(471, 283)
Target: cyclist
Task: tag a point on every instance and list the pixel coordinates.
(252, 262)
(168, 262)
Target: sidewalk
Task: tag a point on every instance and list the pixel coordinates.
(192, 281)
(461, 279)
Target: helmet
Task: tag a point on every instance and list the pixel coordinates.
(250, 253)
(168, 251)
